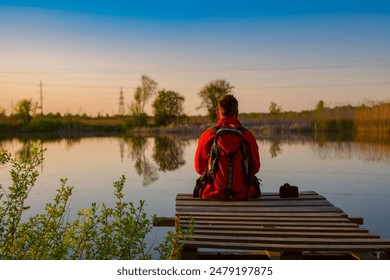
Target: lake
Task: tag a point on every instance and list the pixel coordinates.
(352, 175)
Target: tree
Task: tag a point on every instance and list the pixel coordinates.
(24, 110)
(137, 117)
(210, 94)
(274, 108)
(320, 106)
(2, 113)
(136, 106)
(167, 107)
(142, 94)
(147, 90)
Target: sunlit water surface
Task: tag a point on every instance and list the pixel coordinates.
(353, 176)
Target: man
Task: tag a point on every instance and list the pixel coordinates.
(225, 177)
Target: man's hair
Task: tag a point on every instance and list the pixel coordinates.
(228, 105)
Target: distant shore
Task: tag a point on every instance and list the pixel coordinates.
(345, 121)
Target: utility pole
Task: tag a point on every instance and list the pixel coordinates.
(121, 103)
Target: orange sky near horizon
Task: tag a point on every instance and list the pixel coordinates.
(84, 60)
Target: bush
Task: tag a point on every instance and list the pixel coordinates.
(44, 125)
(117, 232)
(136, 121)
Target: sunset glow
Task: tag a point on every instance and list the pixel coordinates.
(294, 55)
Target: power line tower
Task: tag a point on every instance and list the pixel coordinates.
(121, 110)
(41, 97)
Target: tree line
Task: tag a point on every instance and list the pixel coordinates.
(168, 105)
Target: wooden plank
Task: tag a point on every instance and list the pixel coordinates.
(235, 214)
(265, 198)
(273, 224)
(356, 220)
(269, 197)
(164, 222)
(262, 203)
(335, 234)
(284, 247)
(365, 256)
(273, 255)
(243, 219)
(197, 223)
(290, 240)
(263, 194)
(312, 209)
(236, 255)
(277, 228)
(328, 255)
(170, 221)
(189, 253)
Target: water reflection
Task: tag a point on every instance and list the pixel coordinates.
(347, 172)
(366, 152)
(151, 155)
(168, 155)
(275, 148)
(137, 146)
(328, 148)
(24, 153)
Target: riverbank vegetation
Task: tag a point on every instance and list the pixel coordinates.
(369, 120)
(99, 232)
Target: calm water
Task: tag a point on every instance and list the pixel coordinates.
(353, 176)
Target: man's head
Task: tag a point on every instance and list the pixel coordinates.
(227, 106)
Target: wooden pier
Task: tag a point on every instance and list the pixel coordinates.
(271, 227)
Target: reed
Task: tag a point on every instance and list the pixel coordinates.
(373, 120)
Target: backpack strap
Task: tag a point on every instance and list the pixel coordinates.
(230, 172)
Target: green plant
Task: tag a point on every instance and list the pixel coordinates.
(117, 232)
(44, 236)
(210, 94)
(171, 248)
(24, 175)
(24, 110)
(114, 233)
(167, 107)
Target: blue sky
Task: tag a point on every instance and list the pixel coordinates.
(294, 53)
(184, 9)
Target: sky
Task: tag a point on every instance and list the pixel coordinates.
(291, 52)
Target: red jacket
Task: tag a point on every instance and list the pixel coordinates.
(215, 189)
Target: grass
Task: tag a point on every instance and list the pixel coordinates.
(373, 120)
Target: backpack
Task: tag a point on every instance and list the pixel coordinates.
(237, 144)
